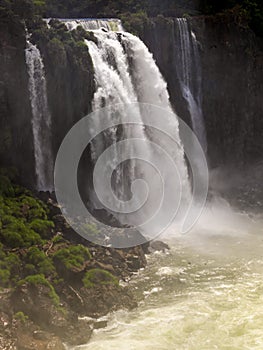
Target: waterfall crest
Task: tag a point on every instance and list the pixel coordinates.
(41, 121)
(109, 24)
(190, 77)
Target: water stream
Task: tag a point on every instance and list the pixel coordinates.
(41, 121)
(205, 293)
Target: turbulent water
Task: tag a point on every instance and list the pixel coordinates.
(206, 293)
(189, 74)
(41, 121)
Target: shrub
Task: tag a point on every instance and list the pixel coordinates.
(43, 227)
(134, 22)
(29, 269)
(40, 279)
(4, 277)
(16, 234)
(9, 268)
(58, 239)
(12, 239)
(39, 6)
(21, 317)
(72, 256)
(99, 277)
(12, 207)
(13, 263)
(37, 259)
(37, 209)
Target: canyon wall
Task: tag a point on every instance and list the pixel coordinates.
(231, 59)
(232, 89)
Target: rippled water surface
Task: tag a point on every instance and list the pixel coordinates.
(206, 293)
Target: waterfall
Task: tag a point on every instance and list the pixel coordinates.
(109, 24)
(126, 73)
(190, 77)
(41, 121)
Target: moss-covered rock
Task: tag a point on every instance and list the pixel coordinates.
(72, 257)
(96, 277)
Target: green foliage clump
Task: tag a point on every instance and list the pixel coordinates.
(17, 234)
(134, 22)
(38, 262)
(21, 317)
(36, 208)
(58, 239)
(99, 277)
(4, 277)
(22, 218)
(23, 224)
(250, 10)
(39, 6)
(40, 279)
(72, 257)
(42, 227)
(10, 265)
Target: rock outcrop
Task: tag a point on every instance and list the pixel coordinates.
(231, 59)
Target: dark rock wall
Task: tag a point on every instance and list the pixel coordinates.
(232, 59)
(232, 72)
(70, 85)
(16, 138)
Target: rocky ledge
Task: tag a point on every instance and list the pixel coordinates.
(54, 285)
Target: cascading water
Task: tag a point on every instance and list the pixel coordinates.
(125, 72)
(41, 121)
(205, 293)
(190, 77)
(110, 24)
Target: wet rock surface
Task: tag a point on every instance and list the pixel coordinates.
(41, 313)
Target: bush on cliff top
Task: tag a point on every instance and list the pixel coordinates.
(10, 266)
(72, 257)
(99, 277)
(38, 280)
(40, 262)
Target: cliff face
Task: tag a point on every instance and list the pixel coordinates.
(70, 83)
(16, 139)
(231, 62)
(70, 88)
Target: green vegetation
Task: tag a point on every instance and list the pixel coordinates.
(249, 10)
(21, 317)
(29, 249)
(99, 277)
(23, 218)
(72, 257)
(42, 227)
(132, 12)
(40, 279)
(38, 262)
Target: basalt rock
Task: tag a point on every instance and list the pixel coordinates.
(232, 89)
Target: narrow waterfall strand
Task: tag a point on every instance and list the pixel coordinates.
(189, 75)
(41, 121)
